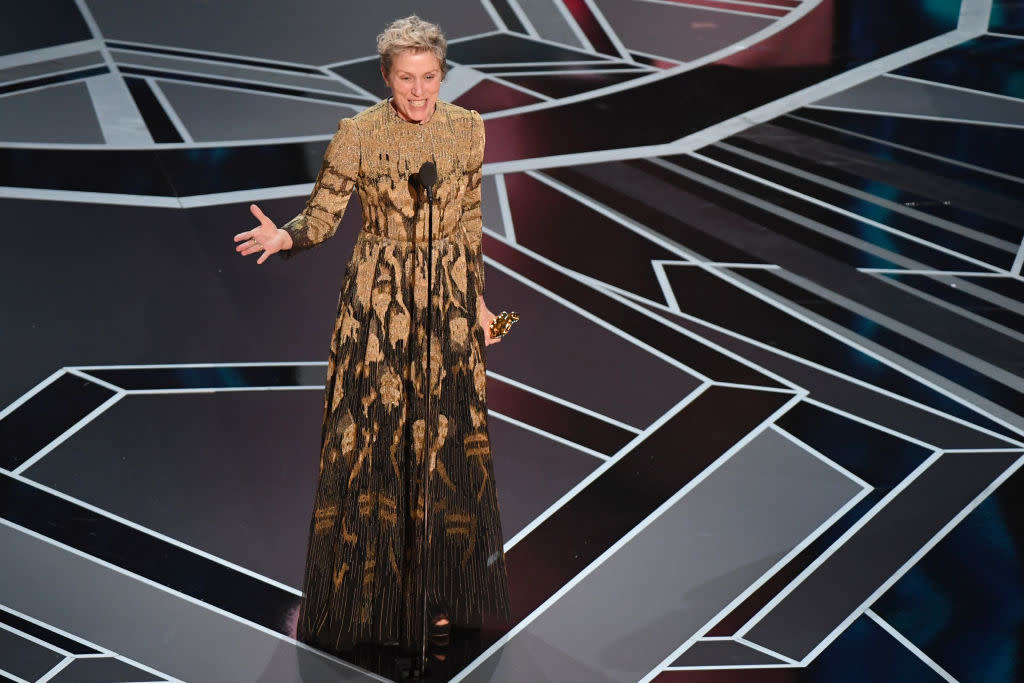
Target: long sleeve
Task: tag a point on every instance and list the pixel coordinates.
(331, 193)
(472, 219)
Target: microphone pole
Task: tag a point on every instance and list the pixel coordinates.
(428, 176)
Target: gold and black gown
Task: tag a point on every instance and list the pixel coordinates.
(363, 568)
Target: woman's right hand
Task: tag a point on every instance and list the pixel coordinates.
(265, 237)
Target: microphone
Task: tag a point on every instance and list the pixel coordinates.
(428, 176)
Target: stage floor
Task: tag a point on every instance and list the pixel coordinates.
(763, 417)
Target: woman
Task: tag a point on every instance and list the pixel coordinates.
(364, 569)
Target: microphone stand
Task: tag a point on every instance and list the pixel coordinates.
(428, 176)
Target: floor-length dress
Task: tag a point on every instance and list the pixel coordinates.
(363, 568)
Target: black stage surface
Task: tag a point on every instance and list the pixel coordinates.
(763, 418)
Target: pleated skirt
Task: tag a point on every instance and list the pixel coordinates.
(368, 554)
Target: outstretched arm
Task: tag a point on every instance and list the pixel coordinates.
(326, 205)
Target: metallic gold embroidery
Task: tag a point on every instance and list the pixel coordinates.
(349, 326)
(373, 352)
(339, 575)
(348, 435)
(477, 416)
(480, 381)
(363, 566)
(323, 518)
(459, 330)
(390, 388)
(346, 535)
(399, 330)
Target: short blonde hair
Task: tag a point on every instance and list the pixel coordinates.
(415, 34)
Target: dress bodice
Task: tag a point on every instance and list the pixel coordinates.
(378, 154)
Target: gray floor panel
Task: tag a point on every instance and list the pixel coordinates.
(215, 69)
(149, 624)
(723, 653)
(676, 31)
(36, 69)
(843, 584)
(165, 462)
(549, 22)
(59, 113)
(548, 354)
(305, 31)
(151, 459)
(25, 658)
(458, 81)
(664, 584)
(892, 95)
(518, 455)
(211, 114)
(957, 191)
(118, 113)
(491, 207)
(103, 670)
(864, 402)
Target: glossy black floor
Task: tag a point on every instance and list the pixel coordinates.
(762, 420)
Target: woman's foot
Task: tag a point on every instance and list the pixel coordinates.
(438, 637)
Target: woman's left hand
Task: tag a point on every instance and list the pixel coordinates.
(485, 317)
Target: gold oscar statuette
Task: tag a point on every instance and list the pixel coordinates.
(502, 323)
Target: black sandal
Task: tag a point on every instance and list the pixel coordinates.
(439, 637)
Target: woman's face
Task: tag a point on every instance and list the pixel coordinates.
(415, 81)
